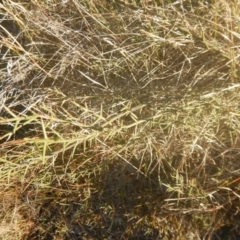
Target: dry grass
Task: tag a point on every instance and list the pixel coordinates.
(119, 120)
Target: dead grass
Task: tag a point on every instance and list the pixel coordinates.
(119, 120)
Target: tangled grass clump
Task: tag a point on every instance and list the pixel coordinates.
(119, 119)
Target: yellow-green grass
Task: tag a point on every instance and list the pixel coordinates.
(119, 120)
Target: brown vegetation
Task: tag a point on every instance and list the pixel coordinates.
(119, 119)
